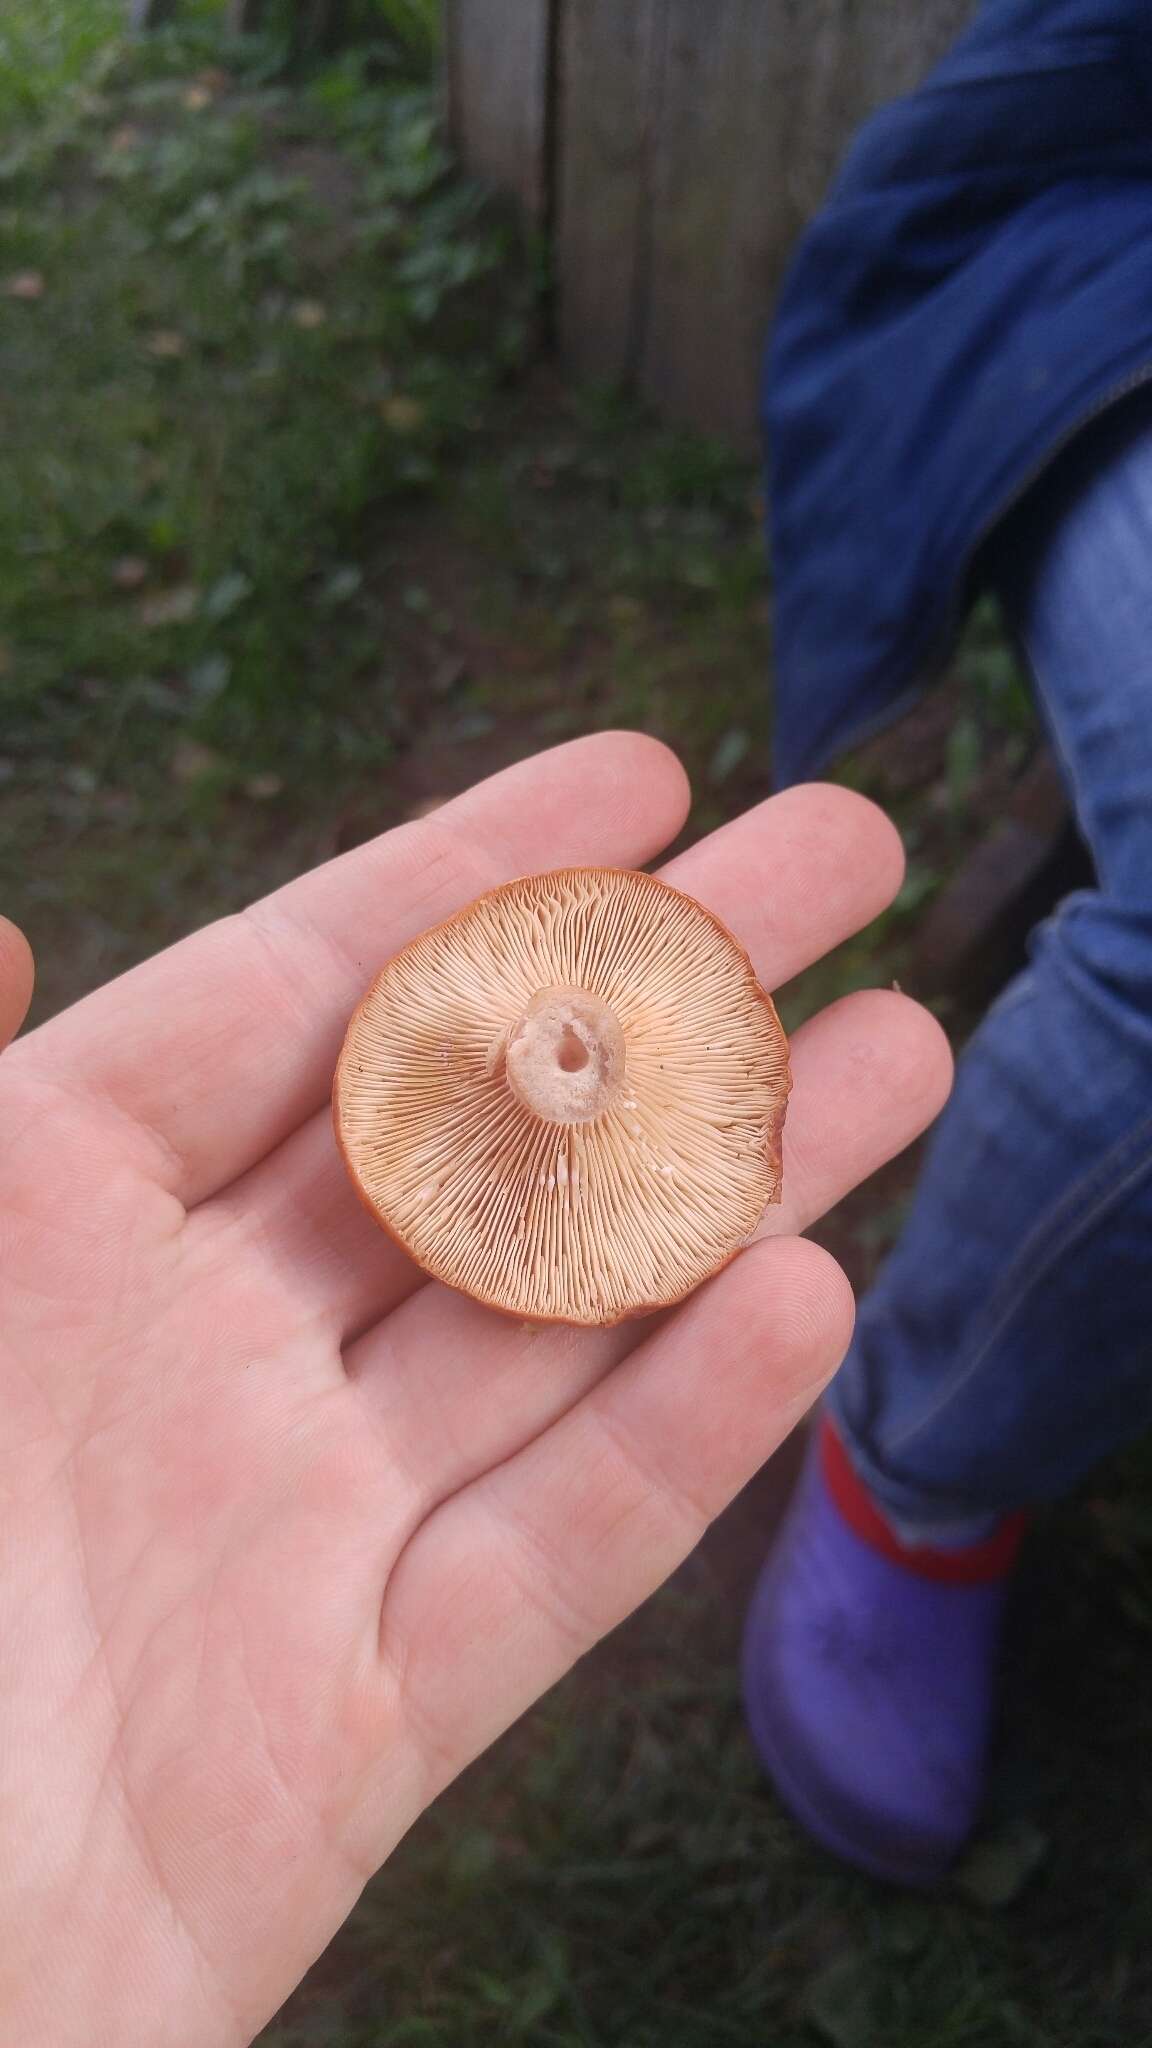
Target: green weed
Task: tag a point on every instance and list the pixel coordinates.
(45, 47)
(234, 323)
(615, 1874)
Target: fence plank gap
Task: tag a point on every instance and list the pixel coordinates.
(145, 14)
(245, 16)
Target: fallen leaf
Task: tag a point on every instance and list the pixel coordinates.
(25, 284)
(130, 572)
(840, 2002)
(192, 762)
(165, 343)
(225, 596)
(451, 672)
(171, 607)
(309, 313)
(730, 751)
(163, 695)
(475, 725)
(118, 803)
(341, 585)
(997, 1868)
(262, 787)
(210, 678)
(403, 415)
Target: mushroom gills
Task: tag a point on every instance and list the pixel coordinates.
(567, 1100)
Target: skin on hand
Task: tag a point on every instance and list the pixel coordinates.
(291, 1534)
(16, 978)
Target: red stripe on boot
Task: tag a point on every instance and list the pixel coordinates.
(975, 1564)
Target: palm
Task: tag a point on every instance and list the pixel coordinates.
(291, 1535)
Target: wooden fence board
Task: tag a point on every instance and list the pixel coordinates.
(607, 90)
(757, 104)
(848, 59)
(721, 209)
(498, 56)
(676, 149)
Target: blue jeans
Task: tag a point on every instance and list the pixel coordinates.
(1007, 1343)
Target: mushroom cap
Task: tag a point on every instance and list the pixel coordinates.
(571, 1217)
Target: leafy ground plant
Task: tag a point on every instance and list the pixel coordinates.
(45, 45)
(234, 322)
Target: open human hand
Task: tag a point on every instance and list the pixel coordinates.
(289, 1533)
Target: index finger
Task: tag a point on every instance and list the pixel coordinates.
(221, 1046)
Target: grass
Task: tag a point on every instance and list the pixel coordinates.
(239, 324)
(234, 323)
(45, 47)
(615, 1875)
(290, 546)
(265, 480)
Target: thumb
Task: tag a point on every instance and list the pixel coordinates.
(16, 977)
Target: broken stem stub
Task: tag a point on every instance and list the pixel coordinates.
(564, 1058)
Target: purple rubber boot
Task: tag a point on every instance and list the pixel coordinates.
(870, 1674)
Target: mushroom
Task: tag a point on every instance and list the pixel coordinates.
(567, 1101)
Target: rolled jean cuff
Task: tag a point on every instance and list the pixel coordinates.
(917, 1520)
